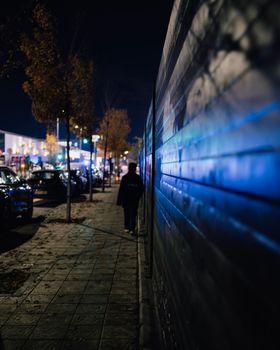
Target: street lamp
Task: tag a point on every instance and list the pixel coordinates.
(80, 136)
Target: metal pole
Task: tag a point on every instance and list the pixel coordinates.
(57, 129)
(90, 168)
(95, 154)
(153, 181)
(145, 170)
(110, 166)
(68, 209)
(104, 161)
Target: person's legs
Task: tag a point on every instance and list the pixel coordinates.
(126, 211)
(132, 217)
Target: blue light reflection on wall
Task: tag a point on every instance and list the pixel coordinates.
(217, 154)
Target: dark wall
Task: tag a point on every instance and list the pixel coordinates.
(216, 233)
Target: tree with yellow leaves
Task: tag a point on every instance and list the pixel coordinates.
(52, 147)
(55, 87)
(45, 84)
(81, 94)
(114, 128)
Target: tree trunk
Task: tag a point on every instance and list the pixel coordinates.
(90, 168)
(104, 165)
(110, 174)
(118, 167)
(68, 206)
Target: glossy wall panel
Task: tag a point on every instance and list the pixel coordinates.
(217, 190)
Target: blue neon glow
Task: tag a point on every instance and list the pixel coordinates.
(249, 118)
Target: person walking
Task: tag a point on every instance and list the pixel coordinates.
(130, 191)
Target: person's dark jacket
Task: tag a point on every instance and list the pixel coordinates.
(131, 189)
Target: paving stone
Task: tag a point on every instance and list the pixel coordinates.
(104, 270)
(122, 298)
(47, 287)
(55, 277)
(61, 308)
(91, 308)
(32, 308)
(87, 319)
(104, 277)
(127, 307)
(121, 318)
(126, 271)
(97, 288)
(7, 308)
(67, 298)
(23, 319)
(121, 276)
(49, 332)
(80, 332)
(59, 320)
(42, 345)
(100, 265)
(16, 332)
(120, 332)
(80, 345)
(125, 285)
(94, 299)
(3, 318)
(38, 298)
(11, 300)
(119, 344)
(78, 277)
(124, 290)
(75, 287)
(8, 344)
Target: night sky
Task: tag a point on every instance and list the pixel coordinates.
(125, 41)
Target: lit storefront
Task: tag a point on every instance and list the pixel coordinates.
(15, 148)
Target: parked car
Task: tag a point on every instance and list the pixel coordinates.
(16, 197)
(50, 184)
(80, 180)
(95, 178)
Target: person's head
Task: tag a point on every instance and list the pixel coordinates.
(132, 167)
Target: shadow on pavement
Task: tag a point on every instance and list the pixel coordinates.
(20, 234)
(79, 199)
(64, 221)
(2, 347)
(13, 280)
(131, 239)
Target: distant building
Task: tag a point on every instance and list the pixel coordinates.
(14, 148)
(82, 157)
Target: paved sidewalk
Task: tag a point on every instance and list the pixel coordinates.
(81, 287)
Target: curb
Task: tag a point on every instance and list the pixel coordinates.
(144, 299)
